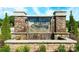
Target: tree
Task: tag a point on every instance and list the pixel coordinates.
(72, 28)
(67, 23)
(1, 20)
(78, 23)
(5, 29)
(11, 20)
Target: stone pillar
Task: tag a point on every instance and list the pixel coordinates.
(20, 25)
(60, 21)
(19, 22)
(52, 25)
(60, 25)
(52, 28)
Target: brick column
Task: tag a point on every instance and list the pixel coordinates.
(60, 24)
(20, 25)
(60, 21)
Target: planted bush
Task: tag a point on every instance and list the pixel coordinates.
(42, 48)
(61, 48)
(77, 47)
(5, 48)
(26, 48)
(1, 40)
(23, 49)
(20, 49)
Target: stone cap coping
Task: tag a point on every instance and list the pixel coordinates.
(19, 13)
(67, 41)
(16, 33)
(61, 33)
(36, 15)
(60, 13)
(39, 15)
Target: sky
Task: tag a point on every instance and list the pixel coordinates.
(40, 11)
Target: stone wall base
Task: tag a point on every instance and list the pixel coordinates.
(35, 47)
(51, 45)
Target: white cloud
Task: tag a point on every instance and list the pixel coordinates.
(75, 12)
(19, 9)
(49, 12)
(36, 11)
(9, 11)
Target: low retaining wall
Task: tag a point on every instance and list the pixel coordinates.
(25, 35)
(51, 45)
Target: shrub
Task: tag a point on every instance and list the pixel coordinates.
(1, 41)
(61, 48)
(20, 49)
(5, 48)
(77, 47)
(1, 37)
(23, 49)
(26, 49)
(42, 48)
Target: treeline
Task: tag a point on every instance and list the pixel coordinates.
(67, 23)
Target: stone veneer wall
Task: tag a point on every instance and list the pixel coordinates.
(39, 36)
(52, 25)
(60, 23)
(57, 24)
(32, 36)
(49, 47)
(20, 24)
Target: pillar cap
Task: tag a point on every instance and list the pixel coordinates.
(59, 13)
(19, 13)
